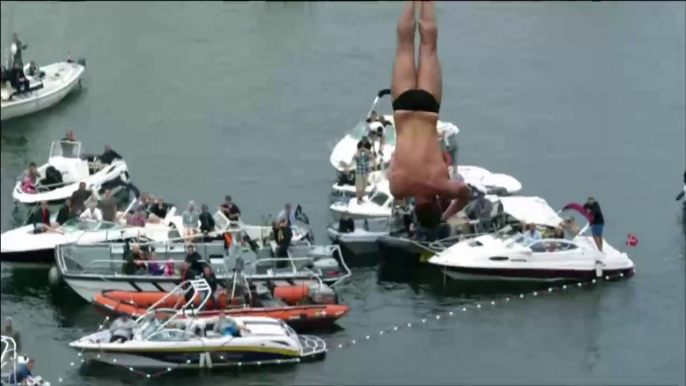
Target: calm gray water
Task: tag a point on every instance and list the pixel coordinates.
(208, 99)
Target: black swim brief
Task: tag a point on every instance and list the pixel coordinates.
(416, 100)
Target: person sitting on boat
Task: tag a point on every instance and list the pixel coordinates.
(68, 145)
(190, 222)
(23, 374)
(41, 219)
(227, 326)
(287, 215)
(136, 218)
(194, 259)
(169, 269)
(122, 329)
(134, 261)
(10, 331)
(346, 224)
(531, 234)
(155, 268)
(18, 79)
(65, 213)
(92, 213)
(206, 221)
(30, 179)
(230, 210)
(158, 212)
(79, 198)
(211, 280)
(34, 71)
(109, 155)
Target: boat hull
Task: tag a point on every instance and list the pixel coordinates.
(43, 258)
(356, 243)
(530, 275)
(44, 100)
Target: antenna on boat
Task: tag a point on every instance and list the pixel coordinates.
(379, 95)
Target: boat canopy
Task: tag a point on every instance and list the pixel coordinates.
(531, 210)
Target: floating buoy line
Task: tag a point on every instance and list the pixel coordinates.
(405, 326)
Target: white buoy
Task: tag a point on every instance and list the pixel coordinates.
(54, 277)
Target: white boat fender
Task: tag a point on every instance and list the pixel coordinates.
(599, 268)
(54, 277)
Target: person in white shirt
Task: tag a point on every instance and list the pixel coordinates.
(531, 234)
(92, 213)
(288, 215)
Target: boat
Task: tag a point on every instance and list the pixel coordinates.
(346, 148)
(59, 80)
(26, 248)
(367, 231)
(66, 168)
(377, 204)
(91, 268)
(10, 362)
(507, 214)
(191, 343)
(493, 183)
(301, 304)
(502, 257)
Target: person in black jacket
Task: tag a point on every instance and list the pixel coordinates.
(41, 218)
(346, 224)
(109, 155)
(65, 213)
(206, 221)
(211, 280)
(194, 259)
(283, 236)
(597, 221)
(18, 79)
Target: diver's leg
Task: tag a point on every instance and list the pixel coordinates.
(429, 68)
(404, 72)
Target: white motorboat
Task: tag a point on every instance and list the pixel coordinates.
(346, 148)
(190, 343)
(496, 257)
(362, 240)
(59, 80)
(67, 167)
(10, 362)
(510, 210)
(378, 203)
(24, 247)
(92, 268)
(493, 183)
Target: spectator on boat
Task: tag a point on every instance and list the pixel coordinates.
(158, 212)
(34, 71)
(194, 259)
(17, 47)
(569, 225)
(79, 198)
(12, 333)
(211, 280)
(41, 218)
(228, 326)
(136, 219)
(346, 224)
(109, 207)
(206, 221)
(169, 270)
(190, 222)
(92, 213)
(23, 374)
(30, 179)
(109, 155)
(122, 328)
(284, 235)
(230, 210)
(135, 262)
(597, 221)
(68, 145)
(362, 159)
(558, 233)
(155, 268)
(287, 215)
(18, 79)
(65, 213)
(531, 234)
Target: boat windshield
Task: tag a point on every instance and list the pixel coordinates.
(518, 239)
(362, 130)
(67, 149)
(75, 224)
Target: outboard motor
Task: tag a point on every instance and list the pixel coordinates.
(321, 294)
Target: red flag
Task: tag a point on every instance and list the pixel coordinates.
(631, 240)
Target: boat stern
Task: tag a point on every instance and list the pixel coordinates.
(312, 348)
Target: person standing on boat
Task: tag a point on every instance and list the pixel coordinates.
(194, 259)
(363, 160)
(597, 221)
(287, 215)
(109, 155)
(417, 169)
(68, 145)
(109, 207)
(190, 222)
(230, 210)
(79, 198)
(122, 329)
(12, 333)
(17, 47)
(211, 280)
(206, 221)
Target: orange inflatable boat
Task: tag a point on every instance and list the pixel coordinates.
(292, 304)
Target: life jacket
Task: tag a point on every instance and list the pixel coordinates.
(227, 240)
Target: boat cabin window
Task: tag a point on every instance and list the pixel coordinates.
(65, 149)
(552, 246)
(380, 198)
(170, 335)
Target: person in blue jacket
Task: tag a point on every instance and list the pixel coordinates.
(23, 373)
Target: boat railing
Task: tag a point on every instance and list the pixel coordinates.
(9, 353)
(198, 286)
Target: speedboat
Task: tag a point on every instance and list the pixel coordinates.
(362, 240)
(91, 268)
(67, 167)
(302, 304)
(493, 183)
(191, 343)
(10, 362)
(378, 203)
(346, 148)
(495, 257)
(507, 213)
(25, 247)
(59, 80)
